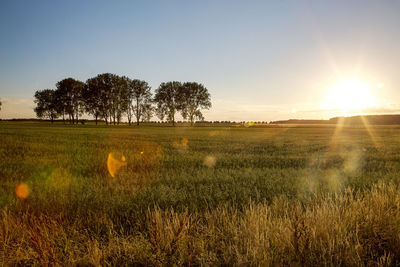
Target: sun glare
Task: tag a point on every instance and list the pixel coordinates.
(22, 191)
(349, 95)
(114, 162)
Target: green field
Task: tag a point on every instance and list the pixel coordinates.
(282, 195)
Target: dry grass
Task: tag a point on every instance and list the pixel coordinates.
(352, 229)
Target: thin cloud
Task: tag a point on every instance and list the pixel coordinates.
(380, 109)
(16, 101)
(17, 108)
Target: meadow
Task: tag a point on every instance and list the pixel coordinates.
(227, 195)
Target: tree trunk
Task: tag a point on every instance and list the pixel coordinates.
(63, 117)
(96, 119)
(137, 112)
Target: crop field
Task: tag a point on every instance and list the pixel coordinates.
(229, 195)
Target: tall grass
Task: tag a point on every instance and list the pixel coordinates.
(351, 229)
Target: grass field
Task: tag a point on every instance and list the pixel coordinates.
(289, 195)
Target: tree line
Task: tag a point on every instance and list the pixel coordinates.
(111, 97)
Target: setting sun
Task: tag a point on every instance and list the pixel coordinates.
(187, 133)
(349, 95)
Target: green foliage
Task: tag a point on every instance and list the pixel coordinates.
(139, 101)
(111, 97)
(192, 97)
(107, 96)
(46, 107)
(167, 100)
(69, 98)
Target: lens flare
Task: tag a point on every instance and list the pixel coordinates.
(209, 161)
(182, 146)
(59, 179)
(22, 191)
(184, 141)
(248, 124)
(114, 164)
(147, 154)
(175, 144)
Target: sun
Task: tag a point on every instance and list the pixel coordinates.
(349, 95)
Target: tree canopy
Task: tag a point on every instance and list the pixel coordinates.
(139, 100)
(111, 97)
(166, 98)
(70, 99)
(192, 97)
(46, 104)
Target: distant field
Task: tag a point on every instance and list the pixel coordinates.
(309, 195)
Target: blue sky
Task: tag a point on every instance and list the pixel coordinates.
(260, 60)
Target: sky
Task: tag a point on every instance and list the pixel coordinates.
(260, 60)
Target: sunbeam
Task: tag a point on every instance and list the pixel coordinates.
(371, 132)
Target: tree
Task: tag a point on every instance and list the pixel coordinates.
(192, 97)
(46, 105)
(148, 112)
(139, 101)
(97, 94)
(61, 104)
(106, 96)
(0, 104)
(92, 97)
(69, 97)
(166, 98)
(119, 97)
